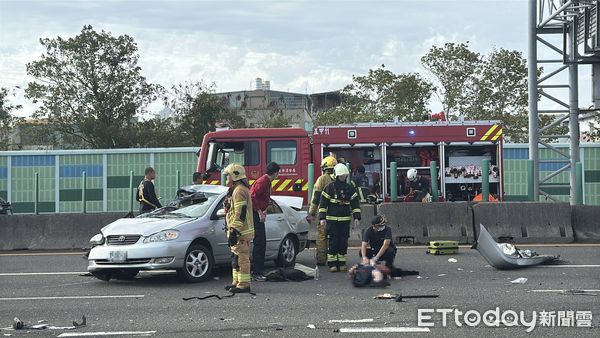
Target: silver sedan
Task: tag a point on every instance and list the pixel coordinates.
(191, 240)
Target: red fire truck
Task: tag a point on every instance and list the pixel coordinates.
(457, 148)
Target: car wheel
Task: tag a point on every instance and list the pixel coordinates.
(197, 265)
(125, 274)
(102, 275)
(287, 252)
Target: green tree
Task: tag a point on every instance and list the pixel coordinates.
(7, 120)
(490, 87)
(90, 86)
(196, 111)
(380, 95)
(157, 133)
(454, 67)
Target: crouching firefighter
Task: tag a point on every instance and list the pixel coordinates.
(240, 227)
(339, 205)
(327, 177)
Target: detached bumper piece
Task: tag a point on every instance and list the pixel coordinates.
(498, 256)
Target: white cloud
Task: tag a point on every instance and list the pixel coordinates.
(298, 45)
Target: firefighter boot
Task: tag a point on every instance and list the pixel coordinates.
(242, 277)
(332, 262)
(321, 244)
(342, 263)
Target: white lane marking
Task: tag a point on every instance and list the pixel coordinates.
(564, 290)
(42, 254)
(569, 266)
(71, 297)
(382, 329)
(369, 320)
(41, 273)
(115, 333)
(63, 285)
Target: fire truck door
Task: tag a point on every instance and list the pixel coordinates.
(246, 153)
(285, 153)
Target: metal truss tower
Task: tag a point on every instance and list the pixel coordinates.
(568, 30)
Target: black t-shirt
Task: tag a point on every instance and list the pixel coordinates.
(375, 238)
(421, 184)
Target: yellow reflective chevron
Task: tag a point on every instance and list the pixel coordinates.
(274, 183)
(339, 219)
(497, 135)
(489, 132)
(283, 185)
(298, 181)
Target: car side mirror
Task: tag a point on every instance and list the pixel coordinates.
(221, 213)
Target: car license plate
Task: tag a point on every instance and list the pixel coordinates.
(118, 256)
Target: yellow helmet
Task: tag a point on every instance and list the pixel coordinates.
(328, 162)
(236, 171)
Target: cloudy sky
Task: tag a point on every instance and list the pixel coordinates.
(300, 46)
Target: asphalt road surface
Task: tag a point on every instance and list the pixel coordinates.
(50, 287)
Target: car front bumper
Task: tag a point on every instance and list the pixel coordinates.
(139, 256)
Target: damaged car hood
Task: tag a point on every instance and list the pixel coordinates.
(143, 226)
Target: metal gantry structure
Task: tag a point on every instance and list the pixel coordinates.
(567, 29)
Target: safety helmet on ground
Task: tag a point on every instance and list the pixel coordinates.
(236, 171)
(341, 169)
(412, 174)
(328, 162)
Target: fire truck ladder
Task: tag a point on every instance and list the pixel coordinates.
(567, 29)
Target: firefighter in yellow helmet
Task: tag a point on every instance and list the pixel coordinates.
(339, 206)
(240, 227)
(327, 177)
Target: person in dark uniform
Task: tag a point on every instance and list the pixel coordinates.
(338, 207)
(419, 185)
(379, 238)
(146, 194)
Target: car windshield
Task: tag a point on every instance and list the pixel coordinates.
(195, 210)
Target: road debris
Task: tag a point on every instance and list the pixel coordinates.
(441, 275)
(507, 256)
(399, 297)
(521, 280)
(216, 296)
(460, 269)
(311, 326)
(20, 325)
(452, 260)
(575, 292)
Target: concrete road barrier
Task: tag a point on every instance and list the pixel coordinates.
(420, 223)
(586, 223)
(51, 231)
(526, 222)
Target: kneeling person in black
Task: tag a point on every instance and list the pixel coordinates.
(379, 238)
